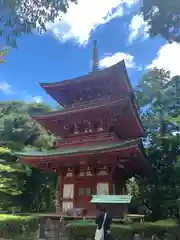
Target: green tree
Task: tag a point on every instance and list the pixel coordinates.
(158, 94)
(163, 17)
(10, 186)
(19, 132)
(3, 54)
(19, 17)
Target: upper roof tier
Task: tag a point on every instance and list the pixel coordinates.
(109, 84)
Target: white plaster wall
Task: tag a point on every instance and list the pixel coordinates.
(103, 189)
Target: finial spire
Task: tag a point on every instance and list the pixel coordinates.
(95, 57)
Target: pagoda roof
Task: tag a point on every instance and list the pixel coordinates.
(65, 92)
(88, 77)
(61, 122)
(77, 110)
(131, 156)
(81, 149)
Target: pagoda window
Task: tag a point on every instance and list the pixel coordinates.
(89, 171)
(87, 126)
(111, 129)
(110, 96)
(102, 172)
(90, 97)
(65, 127)
(88, 93)
(96, 125)
(72, 130)
(82, 95)
(81, 191)
(100, 126)
(88, 191)
(75, 129)
(84, 192)
(90, 130)
(103, 188)
(81, 174)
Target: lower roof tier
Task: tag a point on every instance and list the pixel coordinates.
(126, 153)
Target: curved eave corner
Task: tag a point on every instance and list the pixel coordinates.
(45, 116)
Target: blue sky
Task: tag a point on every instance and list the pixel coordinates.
(65, 51)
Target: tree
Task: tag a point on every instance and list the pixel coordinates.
(159, 95)
(19, 17)
(3, 54)
(163, 17)
(10, 186)
(19, 132)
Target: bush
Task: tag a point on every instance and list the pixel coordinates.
(17, 227)
(86, 229)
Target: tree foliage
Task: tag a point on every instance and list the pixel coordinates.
(9, 184)
(31, 189)
(163, 17)
(19, 17)
(3, 54)
(19, 129)
(159, 96)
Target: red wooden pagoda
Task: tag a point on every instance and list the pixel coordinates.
(100, 131)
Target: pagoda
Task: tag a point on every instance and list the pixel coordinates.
(99, 134)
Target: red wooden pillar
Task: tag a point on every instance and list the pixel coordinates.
(110, 186)
(61, 174)
(75, 187)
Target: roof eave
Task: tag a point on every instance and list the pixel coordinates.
(127, 144)
(86, 77)
(71, 111)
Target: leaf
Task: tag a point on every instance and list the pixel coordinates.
(22, 17)
(160, 115)
(163, 18)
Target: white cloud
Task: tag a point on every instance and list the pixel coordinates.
(29, 98)
(5, 88)
(115, 58)
(86, 16)
(168, 58)
(37, 99)
(138, 28)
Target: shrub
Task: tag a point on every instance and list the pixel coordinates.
(86, 229)
(17, 227)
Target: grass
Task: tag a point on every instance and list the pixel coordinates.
(11, 218)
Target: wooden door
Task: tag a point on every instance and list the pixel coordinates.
(83, 195)
(68, 197)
